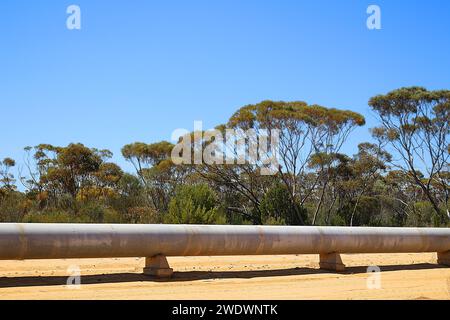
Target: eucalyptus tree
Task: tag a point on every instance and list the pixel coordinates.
(209, 157)
(155, 169)
(330, 130)
(7, 180)
(415, 124)
(399, 194)
(303, 131)
(368, 165)
(51, 172)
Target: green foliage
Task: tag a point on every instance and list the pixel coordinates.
(367, 212)
(54, 216)
(275, 113)
(143, 215)
(43, 217)
(13, 206)
(277, 207)
(112, 216)
(155, 169)
(415, 123)
(272, 221)
(338, 220)
(89, 214)
(130, 186)
(314, 182)
(423, 215)
(92, 210)
(6, 177)
(194, 204)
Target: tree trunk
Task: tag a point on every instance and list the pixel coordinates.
(319, 205)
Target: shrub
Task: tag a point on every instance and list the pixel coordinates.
(194, 204)
(13, 206)
(367, 212)
(54, 217)
(112, 216)
(423, 215)
(271, 221)
(277, 206)
(142, 215)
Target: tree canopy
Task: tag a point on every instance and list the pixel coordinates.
(400, 178)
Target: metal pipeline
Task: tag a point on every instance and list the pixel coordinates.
(60, 241)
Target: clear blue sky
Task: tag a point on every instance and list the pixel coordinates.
(137, 70)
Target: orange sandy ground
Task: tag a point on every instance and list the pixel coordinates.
(403, 276)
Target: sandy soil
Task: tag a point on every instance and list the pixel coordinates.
(403, 276)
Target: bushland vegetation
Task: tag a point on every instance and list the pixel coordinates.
(399, 178)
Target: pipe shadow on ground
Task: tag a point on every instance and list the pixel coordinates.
(33, 281)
